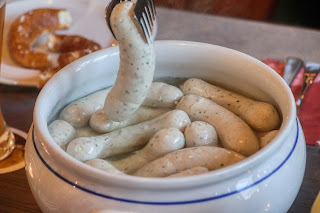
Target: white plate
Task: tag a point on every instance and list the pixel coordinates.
(87, 20)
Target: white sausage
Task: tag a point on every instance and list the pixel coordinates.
(260, 134)
(104, 166)
(127, 139)
(233, 132)
(193, 171)
(85, 131)
(205, 156)
(163, 142)
(62, 132)
(79, 112)
(268, 138)
(102, 124)
(162, 95)
(137, 64)
(200, 133)
(260, 116)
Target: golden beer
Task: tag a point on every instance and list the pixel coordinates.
(7, 141)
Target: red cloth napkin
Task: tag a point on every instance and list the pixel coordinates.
(310, 107)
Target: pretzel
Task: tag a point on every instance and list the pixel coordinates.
(72, 47)
(26, 30)
(66, 58)
(67, 43)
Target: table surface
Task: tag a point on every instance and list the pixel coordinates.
(260, 40)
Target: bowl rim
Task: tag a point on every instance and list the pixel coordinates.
(128, 181)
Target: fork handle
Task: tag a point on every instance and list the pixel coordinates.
(308, 81)
(292, 67)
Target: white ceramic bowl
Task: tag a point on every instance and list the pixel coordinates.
(267, 181)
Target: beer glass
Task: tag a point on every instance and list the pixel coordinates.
(7, 140)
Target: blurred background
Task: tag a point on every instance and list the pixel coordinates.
(291, 12)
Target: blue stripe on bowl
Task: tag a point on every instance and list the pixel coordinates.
(167, 203)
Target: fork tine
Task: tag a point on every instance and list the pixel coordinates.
(149, 14)
(139, 9)
(148, 27)
(153, 10)
(145, 14)
(145, 27)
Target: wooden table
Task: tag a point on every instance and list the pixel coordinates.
(260, 40)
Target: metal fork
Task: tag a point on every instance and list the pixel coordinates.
(310, 73)
(292, 67)
(145, 14)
